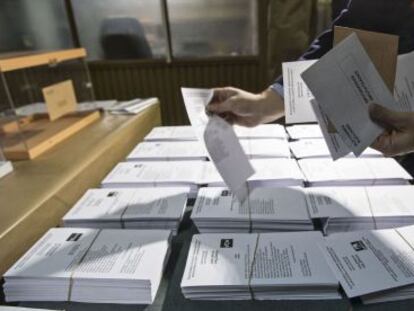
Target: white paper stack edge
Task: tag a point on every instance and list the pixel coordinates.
(304, 131)
(262, 131)
(317, 148)
(266, 148)
(376, 265)
(194, 174)
(193, 150)
(353, 172)
(146, 208)
(266, 210)
(186, 133)
(342, 209)
(171, 133)
(156, 174)
(267, 266)
(89, 265)
(10, 308)
(269, 173)
(5, 168)
(168, 150)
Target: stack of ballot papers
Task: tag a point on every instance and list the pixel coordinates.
(266, 210)
(342, 209)
(133, 106)
(376, 265)
(168, 150)
(268, 173)
(5, 168)
(157, 174)
(89, 265)
(186, 133)
(317, 148)
(262, 131)
(146, 208)
(171, 133)
(267, 266)
(353, 172)
(193, 150)
(9, 308)
(304, 131)
(194, 174)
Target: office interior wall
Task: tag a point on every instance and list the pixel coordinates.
(129, 79)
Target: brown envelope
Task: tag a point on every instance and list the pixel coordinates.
(60, 99)
(381, 48)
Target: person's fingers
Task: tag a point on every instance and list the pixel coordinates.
(387, 118)
(394, 143)
(222, 94)
(222, 107)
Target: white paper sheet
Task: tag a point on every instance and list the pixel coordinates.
(404, 82)
(221, 142)
(296, 94)
(345, 82)
(371, 261)
(337, 148)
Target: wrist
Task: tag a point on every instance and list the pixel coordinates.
(272, 106)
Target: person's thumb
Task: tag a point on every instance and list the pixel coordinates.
(223, 107)
(386, 118)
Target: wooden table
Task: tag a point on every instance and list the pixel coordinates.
(39, 192)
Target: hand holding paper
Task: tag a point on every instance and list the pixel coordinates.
(398, 137)
(345, 82)
(244, 108)
(221, 142)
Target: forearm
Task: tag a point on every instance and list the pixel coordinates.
(273, 107)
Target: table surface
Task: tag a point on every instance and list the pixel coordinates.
(42, 190)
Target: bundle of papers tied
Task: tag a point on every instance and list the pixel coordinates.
(89, 265)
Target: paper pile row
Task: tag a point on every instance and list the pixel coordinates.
(148, 208)
(268, 266)
(88, 265)
(266, 210)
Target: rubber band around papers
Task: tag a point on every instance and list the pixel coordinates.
(252, 266)
(76, 266)
(374, 220)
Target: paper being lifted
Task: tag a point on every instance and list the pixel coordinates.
(345, 82)
(220, 140)
(337, 148)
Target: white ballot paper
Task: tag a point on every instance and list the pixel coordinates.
(168, 150)
(171, 133)
(336, 146)
(269, 209)
(221, 142)
(367, 262)
(353, 172)
(268, 266)
(139, 208)
(262, 131)
(342, 209)
(404, 82)
(345, 82)
(317, 148)
(304, 131)
(297, 95)
(10, 308)
(89, 265)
